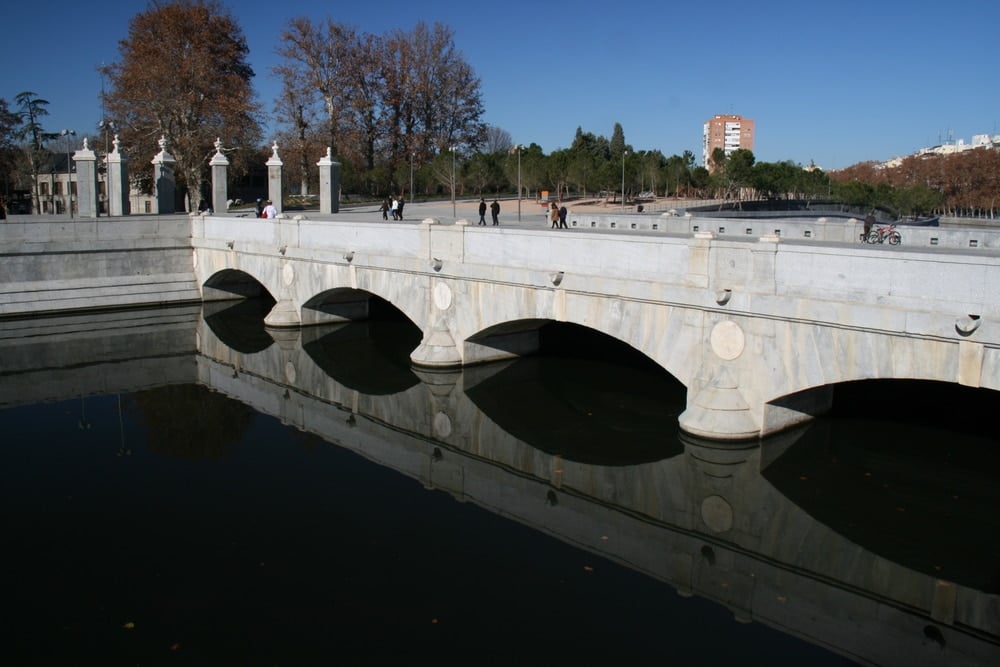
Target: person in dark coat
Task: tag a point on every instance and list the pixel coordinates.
(385, 209)
(869, 221)
(562, 218)
(495, 210)
(482, 211)
(399, 208)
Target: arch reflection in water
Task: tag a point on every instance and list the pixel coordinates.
(713, 520)
(240, 324)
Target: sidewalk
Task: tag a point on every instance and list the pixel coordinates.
(534, 214)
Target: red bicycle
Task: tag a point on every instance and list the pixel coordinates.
(884, 233)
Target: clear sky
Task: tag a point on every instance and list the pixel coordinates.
(830, 83)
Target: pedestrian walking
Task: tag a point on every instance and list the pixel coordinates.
(269, 212)
(495, 210)
(395, 208)
(399, 208)
(554, 215)
(482, 211)
(562, 218)
(385, 209)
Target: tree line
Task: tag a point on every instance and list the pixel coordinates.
(402, 112)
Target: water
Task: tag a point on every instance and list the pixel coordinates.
(181, 487)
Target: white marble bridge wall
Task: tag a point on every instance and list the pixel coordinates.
(747, 326)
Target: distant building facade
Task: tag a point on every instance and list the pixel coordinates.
(728, 132)
(57, 189)
(979, 141)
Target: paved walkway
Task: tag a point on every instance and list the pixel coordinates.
(533, 215)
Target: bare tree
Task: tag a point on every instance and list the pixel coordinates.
(183, 74)
(497, 140)
(315, 60)
(390, 100)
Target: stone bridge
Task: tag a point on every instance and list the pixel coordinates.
(758, 329)
(758, 325)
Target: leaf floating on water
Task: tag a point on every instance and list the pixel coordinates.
(587, 568)
(604, 537)
(175, 646)
(129, 626)
(434, 621)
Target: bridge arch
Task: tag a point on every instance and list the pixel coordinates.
(233, 284)
(349, 304)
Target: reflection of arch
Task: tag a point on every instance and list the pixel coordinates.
(891, 458)
(240, 324)
(546, 401)
(371, 356)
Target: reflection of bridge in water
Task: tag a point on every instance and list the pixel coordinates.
(700, 516)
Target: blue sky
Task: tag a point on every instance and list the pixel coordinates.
(830, 83)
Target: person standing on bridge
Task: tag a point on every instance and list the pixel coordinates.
(869, 221)
(562, 217)
(482, 211)
(495, 211)
(385, 209)
(554, 215)
(270, 212)
(399, 207)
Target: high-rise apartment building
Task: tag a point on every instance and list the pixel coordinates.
(727, 132)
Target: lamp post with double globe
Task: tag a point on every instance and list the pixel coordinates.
(519, 147)
(624, 154)
(69, 178)
(452, 149)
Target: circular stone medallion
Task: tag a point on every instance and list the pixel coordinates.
(727, 340)
(442, 296)
(287, 274)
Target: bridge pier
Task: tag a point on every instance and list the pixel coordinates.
(437, 349)
(284, 314)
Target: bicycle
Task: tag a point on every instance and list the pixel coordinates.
(882, 233)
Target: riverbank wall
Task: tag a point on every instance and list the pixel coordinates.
(59, 265)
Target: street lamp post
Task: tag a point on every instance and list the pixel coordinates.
(519, 147)
(69, 178)
(411, 177)
(107, 125)
(624, 153)
(452, 148)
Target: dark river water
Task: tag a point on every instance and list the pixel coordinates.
(184, 487)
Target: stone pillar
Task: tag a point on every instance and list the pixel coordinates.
(86, 181)
(329, 184)
(274, 165)
(163, 178)
(220, 172)
(117, 181)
